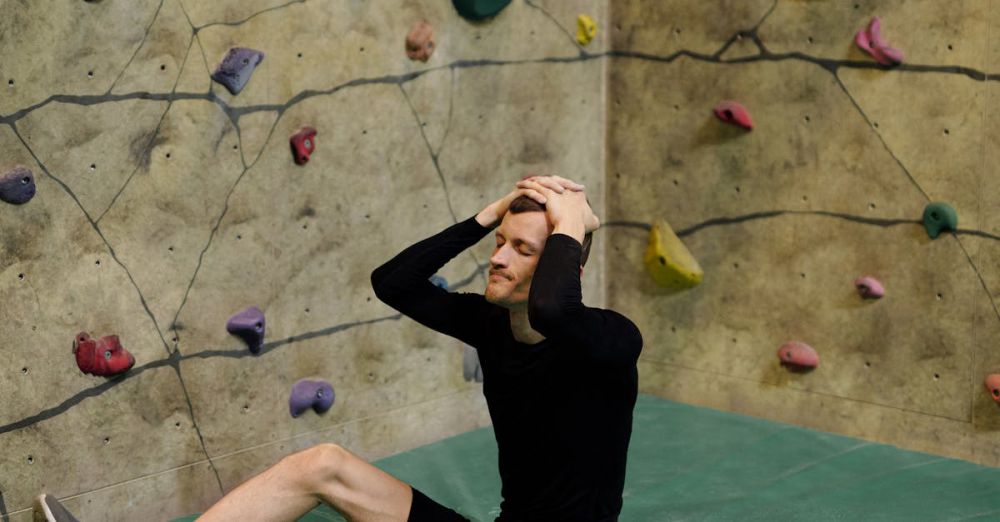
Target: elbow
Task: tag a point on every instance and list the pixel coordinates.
(378, 278)
(542, 315)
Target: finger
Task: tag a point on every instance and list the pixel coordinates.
(549, 183)
(535, 185)
(568, 183)
(534, 194)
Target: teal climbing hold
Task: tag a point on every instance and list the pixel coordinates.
(479, 9)
(940, 216)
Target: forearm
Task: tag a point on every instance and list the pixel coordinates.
(417, 263)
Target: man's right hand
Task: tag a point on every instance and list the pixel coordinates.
(491, 216)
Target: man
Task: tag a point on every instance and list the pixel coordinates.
(560, 378)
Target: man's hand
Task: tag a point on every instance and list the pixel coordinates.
(494, 212)
(567, 210)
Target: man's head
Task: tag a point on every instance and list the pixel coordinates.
(520, 239)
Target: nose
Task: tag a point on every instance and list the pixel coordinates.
(499, 257)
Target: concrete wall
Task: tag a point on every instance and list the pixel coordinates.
(829, 186)
(165, 205)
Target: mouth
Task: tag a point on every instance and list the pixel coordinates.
(497, 276)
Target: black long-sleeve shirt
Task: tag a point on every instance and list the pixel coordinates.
(561, 408)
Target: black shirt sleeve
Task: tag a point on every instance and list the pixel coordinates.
(556, 309)
(404, 284)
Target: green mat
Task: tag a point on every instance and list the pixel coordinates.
(690, 463)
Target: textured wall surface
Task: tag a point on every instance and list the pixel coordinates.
(165, 204)
(829, 186)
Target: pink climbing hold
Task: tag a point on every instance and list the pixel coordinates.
(734, 113)
(870, 40)
(869, 287)
(104, 357)
(992, 384)
(798, 355)
(303, 144)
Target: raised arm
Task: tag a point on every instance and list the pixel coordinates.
(404, 281)
(555, 301)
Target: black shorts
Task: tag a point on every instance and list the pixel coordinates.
(423, 509)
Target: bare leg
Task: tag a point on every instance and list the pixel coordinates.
(323, 473)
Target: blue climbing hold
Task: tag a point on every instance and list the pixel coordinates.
(235, 70)
(439, 281)
(306, 394)
(17, 186)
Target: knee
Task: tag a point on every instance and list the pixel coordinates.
(317, 465)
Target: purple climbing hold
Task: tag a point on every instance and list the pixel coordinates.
(17, 186)
(249, 326)
(306, 394)
(869, 287)
(235, 70)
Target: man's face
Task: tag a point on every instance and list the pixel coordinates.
(520, 239)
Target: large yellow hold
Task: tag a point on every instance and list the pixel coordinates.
(669, 261)
(586, 29)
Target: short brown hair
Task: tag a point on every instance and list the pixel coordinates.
(526, 204)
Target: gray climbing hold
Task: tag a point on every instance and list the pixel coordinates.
(17, 186)
(479, 9)
(248, 325)
(235, 70)
(306, 394)
(471, 369)
(940, 216)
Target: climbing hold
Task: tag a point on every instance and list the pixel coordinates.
(669, 261)
(439, 281)
(235, 69)
(471, 369)
(303, 144)
(248, 325)
(306, 394)
(869, 287)
(940, 216)
(420, 41)
(798, 355)
(734, 113)
(104, 357)
(992, 383)
(870, 40)
(479, 9)
(586, 29)
(17, 186)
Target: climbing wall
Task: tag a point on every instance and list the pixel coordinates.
(830, 185)
(165, 204)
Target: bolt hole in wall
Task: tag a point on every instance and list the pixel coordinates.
(90, 74)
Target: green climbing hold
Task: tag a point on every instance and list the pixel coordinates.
(938, 217)
(479, 9)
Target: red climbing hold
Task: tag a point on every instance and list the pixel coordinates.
(420, 41)
(992, 384)
(104, 357)
(303, 144)
(870, 40)
(734, 113)
(798, 355)
(869, 287)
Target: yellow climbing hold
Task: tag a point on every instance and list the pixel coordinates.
(669, 261)
(586, 29)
